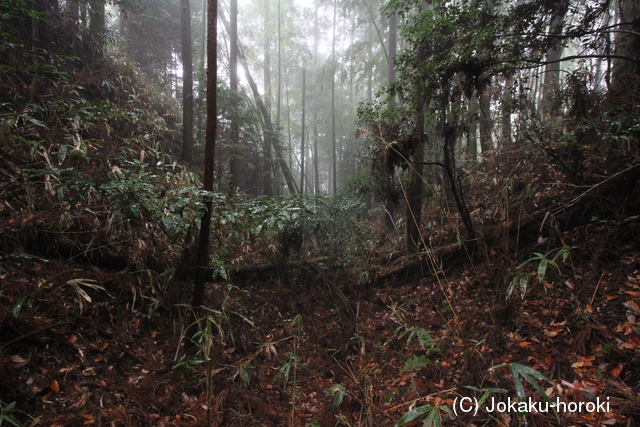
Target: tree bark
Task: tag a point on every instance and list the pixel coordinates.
(302, 141)
(333, 103)
(97, 23)
(486, 124)
(393, 47)
(279, 89)
(187, 83)
(627, 41)
(505, 110)
(551, 83)
(233, 85)
(413, 195)
(209, 162)
(268, 142)
(316, 37)
(472, 138)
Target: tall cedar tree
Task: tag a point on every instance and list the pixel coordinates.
(187, 83)
(233, 84)
(209, 162)
(302, 177)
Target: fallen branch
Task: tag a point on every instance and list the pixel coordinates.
(420, 261)
(262, 268)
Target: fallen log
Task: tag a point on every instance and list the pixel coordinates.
(235, 269)
(424, 262)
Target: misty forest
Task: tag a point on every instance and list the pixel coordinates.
(319, 213)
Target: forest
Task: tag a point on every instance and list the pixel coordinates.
(319, 213)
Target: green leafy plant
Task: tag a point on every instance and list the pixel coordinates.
(421, 335)
(521, 279)
(289, 369)
(216, 330)
(415, 363)
(521, 372)
(222, 319)
(206, 340)
(5, 414)
(485, 393)
(432, 415)
(76, 284)
(338, 392)
(185, 366)
(243, 371)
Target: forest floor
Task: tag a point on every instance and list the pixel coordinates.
(310, 346)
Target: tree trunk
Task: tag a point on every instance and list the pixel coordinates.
(551, 83)
(393, 46)
(334, 175)
(233, 85)
(506, 109)
(202, 77)
(209, 161)
(316, 37)
(97, 23)
(280, 73)
(472, 138)
(74, 12)
(449, 134)
(627, 41)
(413, 214)
(187, 83)
(268, 141)
(302, 147)
(486, 124)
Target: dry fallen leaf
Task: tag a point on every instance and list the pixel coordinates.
(615, 372)
(632, 305)
(18, 360)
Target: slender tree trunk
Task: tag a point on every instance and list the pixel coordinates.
(316, 36)
(268, 141)
(35, 41)
(187, 83)
(375, 24)
(413, 213)
(233, 85)
(97, 23)
(209, 162)
(333, 103)
(486, 124)
(449, 134)
(472, 138)
(74, 12)
(302, 147)
(393, 46)
(627, 41)
(288, 104)
(551, 82)
(506, 109)
(203, 38)
(202, 77)
(279, 94)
